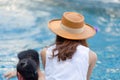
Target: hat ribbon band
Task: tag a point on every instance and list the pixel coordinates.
(71, 30)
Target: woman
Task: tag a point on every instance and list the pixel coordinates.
(69, 58)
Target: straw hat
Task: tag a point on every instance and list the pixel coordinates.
(71, 26)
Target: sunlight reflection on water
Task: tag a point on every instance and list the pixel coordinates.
(23, 25)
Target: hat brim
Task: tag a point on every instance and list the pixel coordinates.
(54, 26)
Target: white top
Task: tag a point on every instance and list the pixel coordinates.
(71, 69)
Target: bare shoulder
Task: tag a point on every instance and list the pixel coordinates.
(93, 57)
(93, 54)
(43, 52)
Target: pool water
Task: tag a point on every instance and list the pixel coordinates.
(23, 25)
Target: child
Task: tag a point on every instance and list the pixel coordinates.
(25, 55)
(27, 69)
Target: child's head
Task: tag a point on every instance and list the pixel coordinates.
(29, 54)
(27, 69)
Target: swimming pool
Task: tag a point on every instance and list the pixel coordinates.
(23, 25)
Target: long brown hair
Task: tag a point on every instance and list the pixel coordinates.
(66, 47)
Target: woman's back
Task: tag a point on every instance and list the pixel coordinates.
(70, 69)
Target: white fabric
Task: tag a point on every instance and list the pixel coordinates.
(72, 69)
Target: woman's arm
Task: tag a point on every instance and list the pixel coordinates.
(41, 75)
(43, 57)
(92, 62)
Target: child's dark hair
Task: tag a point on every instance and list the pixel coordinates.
(30, 53)
(27, 68)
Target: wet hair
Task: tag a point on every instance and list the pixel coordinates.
(66, 47)
(27, 68)
(29, 54)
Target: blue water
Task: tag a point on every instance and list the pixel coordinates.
(23, 25)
